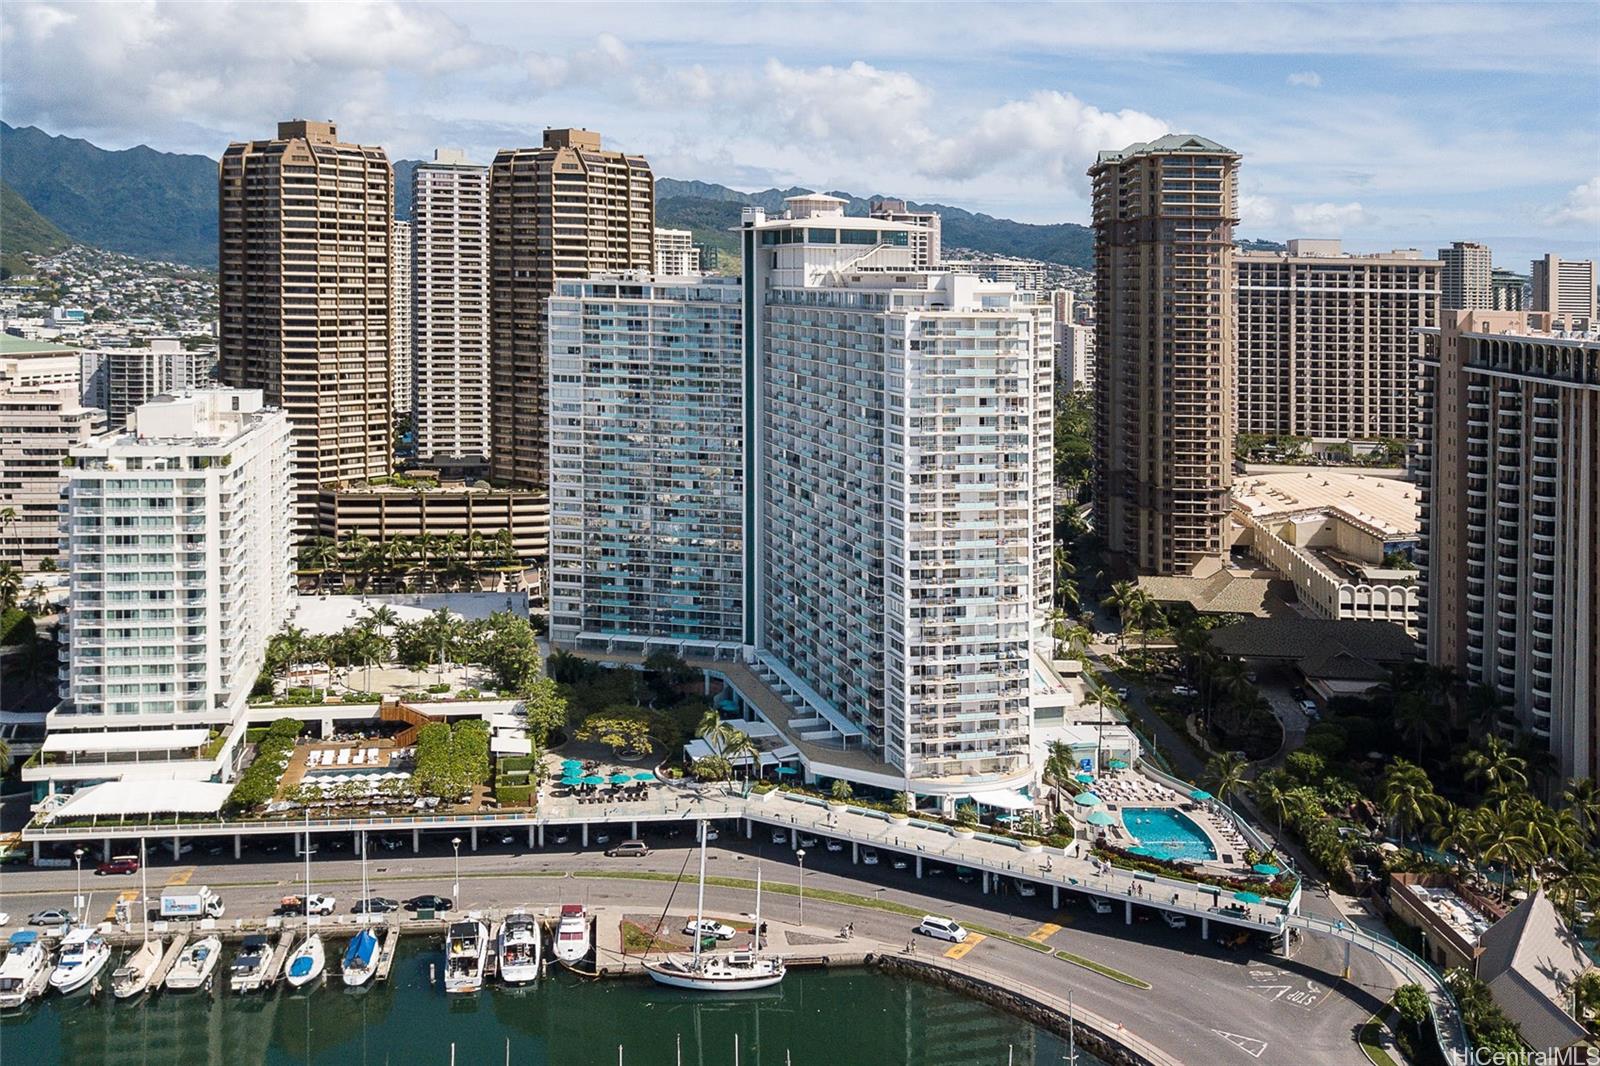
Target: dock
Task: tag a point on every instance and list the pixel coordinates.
(491, 957)
(169, 960)
(280, 957)
(391, 940)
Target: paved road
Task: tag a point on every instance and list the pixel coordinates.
(1207, 1005)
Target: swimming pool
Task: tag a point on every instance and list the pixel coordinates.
(1168, 833)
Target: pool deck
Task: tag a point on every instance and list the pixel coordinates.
(1121, 790)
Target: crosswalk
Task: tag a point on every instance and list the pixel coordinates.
(180, 876)
(1044, 932)
(127, 896)
(960, 950)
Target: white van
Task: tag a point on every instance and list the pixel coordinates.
(1101, 906)
(1174, 920)
(942, 929)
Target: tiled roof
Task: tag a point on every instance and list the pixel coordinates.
(1351, 649)
(1529, 962)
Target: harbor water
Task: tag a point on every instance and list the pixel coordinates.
(850, 1017)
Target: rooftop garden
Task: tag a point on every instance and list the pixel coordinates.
(427, 562)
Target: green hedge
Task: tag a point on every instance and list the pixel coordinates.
(514, 795)
(449, 762)
(518, 764)
(16, 627)
(259, 782)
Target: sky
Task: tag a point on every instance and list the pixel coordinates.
(1388, 125)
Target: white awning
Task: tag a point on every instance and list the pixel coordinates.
(502, 744)
(129, 740)
(144, 797)
(1005, 798)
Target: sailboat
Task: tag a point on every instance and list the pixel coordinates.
(132, 978)
(736, 971)
(308, 961)
(520, 950)
(361, 957)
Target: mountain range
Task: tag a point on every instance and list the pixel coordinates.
(161, 205)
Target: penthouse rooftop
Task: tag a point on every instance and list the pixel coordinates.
(1387, 506)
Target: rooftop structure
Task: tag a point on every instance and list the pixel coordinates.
(1565, 287)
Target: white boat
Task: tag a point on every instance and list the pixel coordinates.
(25, 972)
(307, 963)
(703, 971)
(466, 950)
(309, 960)
(520, 949)
(84, 953)
(360, 959)
(133, 976)
(249, 969)
(195, 965)
(572, 934)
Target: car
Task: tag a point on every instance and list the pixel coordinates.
(629, 849)
(1026, 889)
(710, 927)
(390, 843)
(561, 836)
(427, 903)
(898, 863)
(119, 864)
(711, 834)
(1174, 920)
(5, 919)
(966, 874)
(942, 928)
(780, 836)
(375, 905)
(338, 844)
(1122, 692)
(602, 838)
(317, 904)
(1101, 906)
(50, 918)
(869, 856)
(932, 869)
(214, 848)
(507, 839)
(835, 844)
(1184, 690)
(807, 840)
(1297, 692)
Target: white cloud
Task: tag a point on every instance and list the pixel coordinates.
(1053, 132)
(1306, 79)
(1328, 219)
(1581, 207)
(606, 59)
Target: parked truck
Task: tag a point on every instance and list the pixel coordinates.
(190, 901)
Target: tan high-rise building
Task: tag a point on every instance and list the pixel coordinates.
(1164, 214)
(1327, 341)
(1465, 284)
(402, 354)
(1565, 287)
(450, 215)
(564, 210)
(304, 264)
(1509, 462)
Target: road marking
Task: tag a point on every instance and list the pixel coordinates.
(128, 896)
(960, 950)
(1044, 932)
(1247, 1044)
(180, 876)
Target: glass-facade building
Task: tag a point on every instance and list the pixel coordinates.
(646, 442)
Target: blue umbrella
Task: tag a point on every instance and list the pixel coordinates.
(1084, 779)
(1247, 897)
(1117, 764)
(1102, 818)
(592, 779)
(644, 777)
(571, 764)
(621, 779)
(1199, 794)
(1086, 799)
(787, 771)
(1265, 869)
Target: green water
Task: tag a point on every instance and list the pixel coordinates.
(838, 1018)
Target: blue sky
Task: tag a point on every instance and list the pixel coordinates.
(1388, 125)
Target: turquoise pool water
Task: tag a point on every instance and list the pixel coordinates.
(1168, 832)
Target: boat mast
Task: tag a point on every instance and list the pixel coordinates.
(757, 937)
(144, 893)
(308, 871)
(700, 899)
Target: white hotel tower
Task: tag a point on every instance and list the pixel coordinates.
(899, 457)
(177, 532)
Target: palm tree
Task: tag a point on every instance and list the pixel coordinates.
(1495, 765)
(1408, 797)
(1226, 774)
(1124, 599)
(1149, 615)
(10, 586)
(5, 757)
(397, 554)
(477, 545)
(426, 545)
(369, 646)
(709, 725)
(740, 745)
(1583, 799)
(1454, 831)
(381, 616)
(319, 555)
(1078, 638)
(1102, 699)
(1273, 798)
(1058, 632)
(1417, 719)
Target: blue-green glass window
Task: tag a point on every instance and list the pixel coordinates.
(859, 236)
(822, 236)
(897, 237)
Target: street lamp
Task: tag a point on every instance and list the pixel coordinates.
(801, 857)
(77, 900)
(455, 889)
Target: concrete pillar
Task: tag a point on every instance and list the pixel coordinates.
(327, 728)
(107, 850)
(1127, 912)
(1055, 897)
(985, 882)
(1205, 928)
(355, 843)
(238, 845)
(296, 837)
(541, 834)
(855, 852)
(585, 834)
(474, 838)
(416, 840)
(919, 867)
(749, 829)
(794, 838)
(36, 853)
(1347, 944)
(530, 835)
(634, 829)
(176, 854)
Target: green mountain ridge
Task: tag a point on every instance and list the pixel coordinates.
(24, 232)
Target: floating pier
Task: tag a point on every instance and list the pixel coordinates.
(391, 941)
(169, 960)
(280, 957)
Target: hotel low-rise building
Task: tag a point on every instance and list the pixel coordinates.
(178, 539)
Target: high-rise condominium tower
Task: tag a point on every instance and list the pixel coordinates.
(647, 533)
(1565, 287)
(1328, 341)
(181, 570)
(1164, 214)
(1509, 291)
(564, 210)
(401, 356)
(117, 380)
(1509, 458)
(676, 254)
(450, 216)
(1465, 284)
(304, 257)
(899, 457)
(926, 240)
